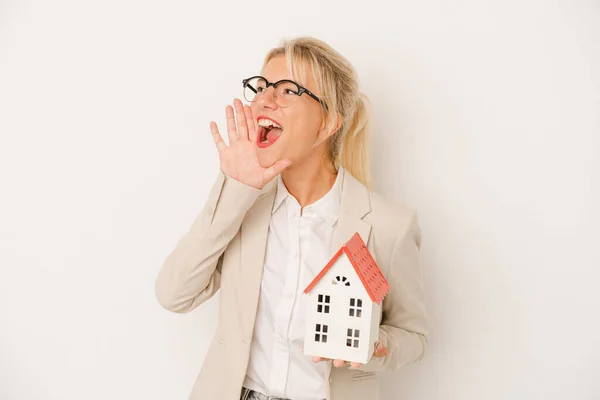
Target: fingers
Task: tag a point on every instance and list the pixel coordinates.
(240, 116)
(275, 170)
(339, 363)
(217, 137)
(231, 128)
(251, 123)
(380, 350)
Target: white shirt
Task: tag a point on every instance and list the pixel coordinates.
(299, 245)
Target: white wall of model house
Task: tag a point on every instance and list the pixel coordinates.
(338, 326)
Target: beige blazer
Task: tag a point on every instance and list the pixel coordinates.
(225, 248)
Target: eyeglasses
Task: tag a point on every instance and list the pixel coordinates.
(285, 92)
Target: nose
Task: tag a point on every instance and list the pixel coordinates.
(267, 99)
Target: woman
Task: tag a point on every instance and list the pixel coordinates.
(262, 240)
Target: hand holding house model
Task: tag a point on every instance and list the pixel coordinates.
(343, 313)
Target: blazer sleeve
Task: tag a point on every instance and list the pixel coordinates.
(190, 274)
(404, 328)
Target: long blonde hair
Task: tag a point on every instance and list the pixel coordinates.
(337, 86)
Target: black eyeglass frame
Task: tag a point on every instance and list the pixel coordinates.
(301, 89)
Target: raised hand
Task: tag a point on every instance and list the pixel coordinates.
(239, 160)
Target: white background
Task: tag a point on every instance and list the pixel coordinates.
(486, 120)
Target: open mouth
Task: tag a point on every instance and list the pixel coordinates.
(268, 132)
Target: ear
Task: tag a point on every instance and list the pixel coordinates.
(325, 134)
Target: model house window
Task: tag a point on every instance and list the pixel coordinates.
(323, 303)
(341, 279)
(352, 337)
(355, 308)
(321, 333)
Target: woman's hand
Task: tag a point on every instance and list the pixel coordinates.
(239, 160)
(379, 351)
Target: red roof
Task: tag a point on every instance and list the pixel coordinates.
(364, 265)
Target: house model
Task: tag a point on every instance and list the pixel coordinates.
(343, 312)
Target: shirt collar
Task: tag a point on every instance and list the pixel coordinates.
(327, 207)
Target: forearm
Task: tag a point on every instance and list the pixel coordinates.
(189, 275)
(403, 347)
(404, 327)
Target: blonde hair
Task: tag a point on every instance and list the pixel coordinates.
(337, 86)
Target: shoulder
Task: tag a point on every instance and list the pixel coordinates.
(395, 236)
(387, 211)
(387, 217)
(392, 223)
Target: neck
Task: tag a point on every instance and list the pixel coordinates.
(309, 181)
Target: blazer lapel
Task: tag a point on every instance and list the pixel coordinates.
(255, 228)
(355, 205)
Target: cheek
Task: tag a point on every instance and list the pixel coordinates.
(305, 127)
(254, 108)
